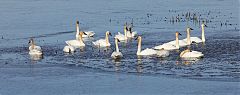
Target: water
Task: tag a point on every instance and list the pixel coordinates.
(52, 22)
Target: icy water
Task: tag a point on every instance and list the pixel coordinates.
(52, 22)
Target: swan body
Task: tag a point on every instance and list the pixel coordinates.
(182, 43)
(103, 42)
(147, 51)
(78, 42)
(34, 49)
(166, 46)
(191, 54)
(116, 54)
(69, 49)
(194, 39)
(162, 53)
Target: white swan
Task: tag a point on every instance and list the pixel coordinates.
(191, 54)
(197, 39)
(116, 54)
(171, 45)
(188, 39)
(178, 43)
(76, 43)
(87, 33)
(121, 37)
(129, 32)
(69, 49)
(34, 49)
(103, 42)
(147, 51)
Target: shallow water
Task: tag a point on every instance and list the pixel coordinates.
(52, 22)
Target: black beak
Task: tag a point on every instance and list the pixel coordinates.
(136, 38)
(180, 34)
(205, 25)
(29, 41)
(77, 22)
(84, 33)
(191, 29)
(110, 33)
(118, 40)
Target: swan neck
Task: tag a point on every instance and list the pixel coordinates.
(116, 43)
(203, 34)
(177, 41)
(107, 39)
(81, 39)
(139, 45)
(188, 37)
(77, 29)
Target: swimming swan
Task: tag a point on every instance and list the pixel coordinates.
(173, 45)
(121, 37)
(87, 33)
(34, 49)
(147, 51)
(78, 42)
(116, 54)
(103, 42)
(197, 39)
(178, 43)
(191, 54)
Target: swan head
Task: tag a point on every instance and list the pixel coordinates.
(108, 33)
(77, 22)
(31, 41)
(189, 29)
(204, 25)
(82, 33)
(138, 38)
(177, 33)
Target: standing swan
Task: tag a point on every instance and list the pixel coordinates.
(34, 49)
(103, 42)
(78, 42)
(116, 54)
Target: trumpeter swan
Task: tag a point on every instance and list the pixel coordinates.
(78, 42)
(34, 49)
(87, 33)
(103, 42)
(191, 54)
(116, 54)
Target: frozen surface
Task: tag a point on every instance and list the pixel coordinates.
(91, 70)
